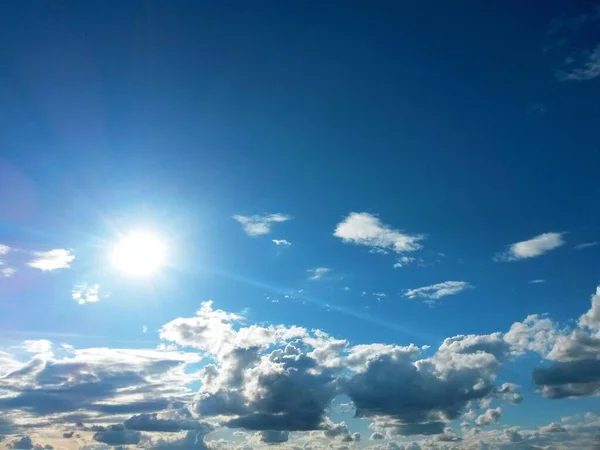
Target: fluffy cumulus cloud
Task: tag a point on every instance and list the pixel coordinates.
(575, 354)
(437, 291)
(532, 248)
(276, 384)
(258, 225)
(490, 417)
(368, 230)
(52, 259)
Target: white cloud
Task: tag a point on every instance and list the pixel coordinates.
(437, 291)
(490, 417)
(586, 245)
(318, 272)
(366, 229)
(51, 260)
(379, 295)
(531, 248)
(6, 272)
(404, 261)
(537, 281)
(38, 346)
(84, 293)
(258, 225)
(283, 242)
(589, 70)
(144, 329)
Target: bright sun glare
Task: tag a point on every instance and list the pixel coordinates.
(139, 254)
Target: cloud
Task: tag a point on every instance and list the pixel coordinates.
(5, 272)
(585, 245)
(366, 229)
(193, 440)
(98, 380)
(318, 272)
(273, 437)
(41, 346)
(537, 281)
(490, 417)
(404, 261)
(52, 259)
(283, 242)
(437, 291)
(117, 435)
(84, 293)
(531, 248)
(152, 422)
(588, 71)
(591, 319)
(258, 225)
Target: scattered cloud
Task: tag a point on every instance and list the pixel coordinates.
(84, 293)
(5, 271)
(52, 259)
(532, 248)
(404, 261)
(584, 245)
(490, 417)
(589, 70)
(368, 230)
(379, 295)
(537, 281)
(41, 346)
(318, 272)
(437, 291)
(283, 242)
(258, 225)
(144, 329)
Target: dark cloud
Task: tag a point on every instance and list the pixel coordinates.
(151, 422)
(290, 394)
(117, 435)
(569, 379)
(418, 396)
(93, 379)
(68, 435)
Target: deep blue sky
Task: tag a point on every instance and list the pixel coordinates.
(455, 120)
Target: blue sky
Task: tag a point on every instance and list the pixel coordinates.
(372, 196)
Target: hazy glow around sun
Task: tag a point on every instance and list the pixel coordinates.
(139, 254)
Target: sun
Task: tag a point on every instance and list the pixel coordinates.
(139, 254)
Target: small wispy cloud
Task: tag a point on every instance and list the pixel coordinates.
(367, 230)
(144, 329)
(437, 291)
(588, 71)
(404, 261)
(586, 245)
(537, 281)
(84, 293)
(5, 271)
(258, 225)
(58, 258)
(531, 248)
(318, 272)
(379, 295)
(283, 242)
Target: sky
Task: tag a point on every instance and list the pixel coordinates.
(317, 225)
